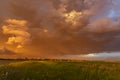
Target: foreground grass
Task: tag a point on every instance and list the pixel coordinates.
(51, 70)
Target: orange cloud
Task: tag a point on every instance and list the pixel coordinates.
(18, 32)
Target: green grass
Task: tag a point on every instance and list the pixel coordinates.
(60, 70)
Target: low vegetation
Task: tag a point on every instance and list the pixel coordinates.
(60, 70)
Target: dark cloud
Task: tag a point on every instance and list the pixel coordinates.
(59, 27)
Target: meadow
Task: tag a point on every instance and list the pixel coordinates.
(59, 70)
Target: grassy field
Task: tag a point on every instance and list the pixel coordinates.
(60, 70)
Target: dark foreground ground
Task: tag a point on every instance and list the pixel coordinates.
(59, 70)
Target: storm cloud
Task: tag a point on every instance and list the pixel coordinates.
(62, 27)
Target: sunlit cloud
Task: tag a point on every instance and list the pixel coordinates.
(73, 17)
(18, 32)
(47, 28)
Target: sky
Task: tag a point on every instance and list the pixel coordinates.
(59, 28)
